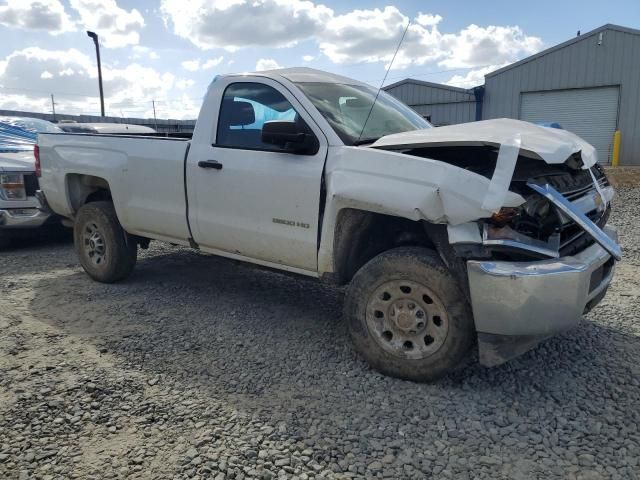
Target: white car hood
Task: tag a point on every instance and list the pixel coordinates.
(17, 161)
(549, 144)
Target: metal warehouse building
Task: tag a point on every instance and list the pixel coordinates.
(589, 84)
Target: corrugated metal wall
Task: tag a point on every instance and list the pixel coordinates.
(615, 62)
(590, 113)
(444, 105)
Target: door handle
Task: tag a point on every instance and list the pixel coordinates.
(210, 164)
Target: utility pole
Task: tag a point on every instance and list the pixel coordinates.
(155, 120)
(53, 107)
(94, 36)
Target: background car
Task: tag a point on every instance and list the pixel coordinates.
(19, 208)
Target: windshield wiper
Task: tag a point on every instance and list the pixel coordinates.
(364, 141)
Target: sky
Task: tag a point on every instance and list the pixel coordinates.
(168, 51)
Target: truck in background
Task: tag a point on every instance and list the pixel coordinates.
(19, 207)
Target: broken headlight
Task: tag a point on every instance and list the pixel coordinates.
(536, 219)
(531, 227)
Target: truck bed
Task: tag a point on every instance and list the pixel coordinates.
(145, 175)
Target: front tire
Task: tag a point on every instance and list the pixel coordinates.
(103, 247)
(407, 316)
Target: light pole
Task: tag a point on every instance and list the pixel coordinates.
(94, 36)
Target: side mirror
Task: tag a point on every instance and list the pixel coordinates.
(287, 135)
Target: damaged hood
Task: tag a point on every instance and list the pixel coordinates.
(549, 144)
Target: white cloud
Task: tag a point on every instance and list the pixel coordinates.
(191, 65)
(475, 46)
(35, 69)
(373, 36)
(140, 51)
(21, 102)
(361, 35)
(232, 24)
(48, 15)
(308, 58)
(428, 19)
(196, 64)
(266, 64)
(473, 78)
(115, 26)
(71, 76)
(184, 83)
(214, 62)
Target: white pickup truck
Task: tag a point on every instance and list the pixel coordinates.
(489, 233)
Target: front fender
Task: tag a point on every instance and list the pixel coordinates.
(401, 185)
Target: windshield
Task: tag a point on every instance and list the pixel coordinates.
(346, 108)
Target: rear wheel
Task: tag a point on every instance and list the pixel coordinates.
(407, 315)
(103, 247)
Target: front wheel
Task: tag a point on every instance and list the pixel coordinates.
(102, 245)
(407, 316)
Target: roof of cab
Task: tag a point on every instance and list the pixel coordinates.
(307, 75)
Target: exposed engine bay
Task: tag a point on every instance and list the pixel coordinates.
(535, 229)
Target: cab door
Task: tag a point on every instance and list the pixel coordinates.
(251, 198)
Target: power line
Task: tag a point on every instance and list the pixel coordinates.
(138, 106)
(91, 97)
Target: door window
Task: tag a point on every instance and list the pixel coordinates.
(244, 110)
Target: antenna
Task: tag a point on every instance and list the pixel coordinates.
(384, 80)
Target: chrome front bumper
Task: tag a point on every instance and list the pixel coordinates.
(15, 218)
(530, 301)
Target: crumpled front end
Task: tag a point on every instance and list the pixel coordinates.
(533, 268)
(518, 304)
(546, 262)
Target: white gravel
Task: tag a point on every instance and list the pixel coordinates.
(197, 367)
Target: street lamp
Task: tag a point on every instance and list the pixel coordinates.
(94, 36)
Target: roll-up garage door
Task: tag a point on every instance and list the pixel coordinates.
(591, 113)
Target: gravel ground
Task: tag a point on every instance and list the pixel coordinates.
(197, 367)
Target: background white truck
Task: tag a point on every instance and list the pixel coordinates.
(490, 233)
(19, 212)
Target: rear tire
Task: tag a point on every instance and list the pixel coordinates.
(103, 247)
(407, 316)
